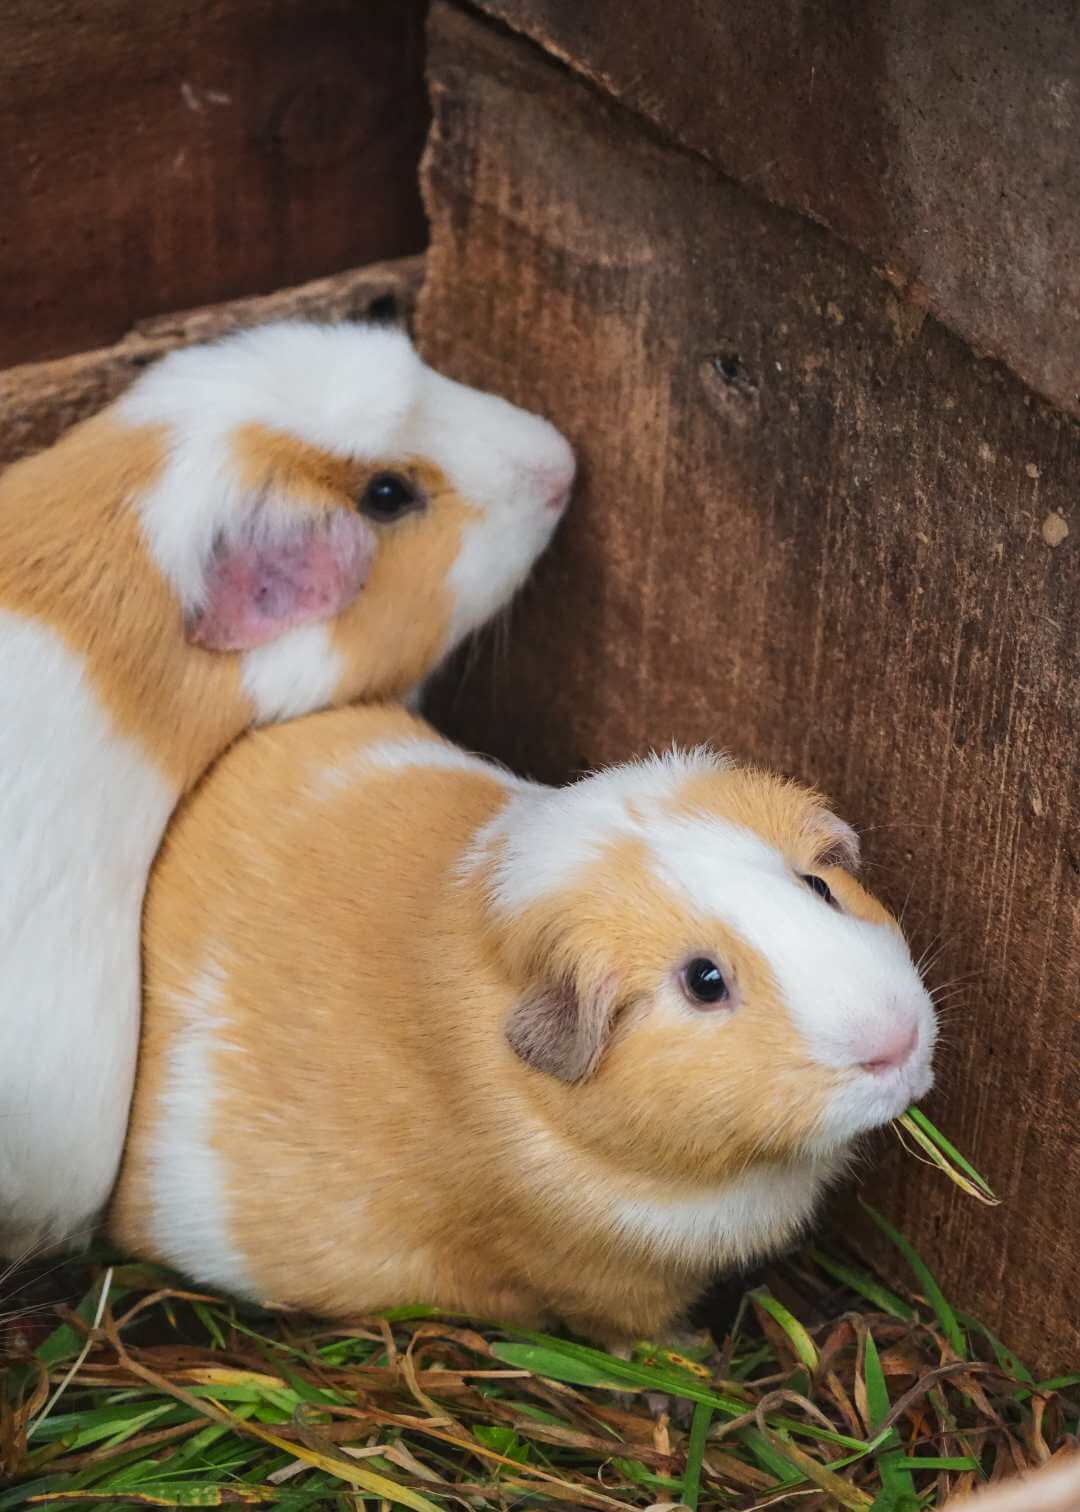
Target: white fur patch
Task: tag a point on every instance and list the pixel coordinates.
(81, 815)
(344, 388)
(510, 465)
(300, 671)
(546, 837)
(753, 1214)
(189, 1218)
(756, 1214)
(401, 755)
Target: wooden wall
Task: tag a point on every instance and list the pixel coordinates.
(815, 526)
(154, 157)
(938, 136)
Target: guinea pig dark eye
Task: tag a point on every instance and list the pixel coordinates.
(703, 983)
(821, 887)
(388, 496)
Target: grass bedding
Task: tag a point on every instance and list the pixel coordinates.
(829, 1391)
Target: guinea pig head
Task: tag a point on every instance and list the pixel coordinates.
(699, 981)
(334, 510)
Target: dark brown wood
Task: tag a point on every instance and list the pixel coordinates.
(155, 157)
(815, 529)
(40, 400)
(941, 137)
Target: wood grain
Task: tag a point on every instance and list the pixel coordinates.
(815, 529)
(940, 138)
(157, 157)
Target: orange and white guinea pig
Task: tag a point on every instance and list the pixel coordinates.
(528, 1053)
(297, 516)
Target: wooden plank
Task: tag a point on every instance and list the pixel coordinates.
(157, 157)
(938, 136)
(40, 400)
(814, 529)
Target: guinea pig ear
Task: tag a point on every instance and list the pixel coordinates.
(562, 1030)
(841, 845)
(267, 580)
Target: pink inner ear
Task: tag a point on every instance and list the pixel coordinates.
(258, 590)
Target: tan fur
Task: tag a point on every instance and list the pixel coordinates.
(72, 558)
(380, 1141)
(402, 616)
(654, 937)
(791, 817)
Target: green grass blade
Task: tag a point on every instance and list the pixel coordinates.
(636, 1472)
(695, 1453)
(99, 1424)
(896, 1482)
(956, 1462)
(877, 1393)
(556, 1366)
(558, 1356)
(197, 1447)
(914, 1119)
(801, 1341)
(504, 1441)
(864, 1285)
(771, 1459)
(165, 1494)
(927, 1284)
(209, 1322)
(1008, 1362)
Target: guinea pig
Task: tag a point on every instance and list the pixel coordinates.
(294, 517)
(542, 1055)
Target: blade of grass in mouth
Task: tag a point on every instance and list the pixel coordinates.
(945, 1156)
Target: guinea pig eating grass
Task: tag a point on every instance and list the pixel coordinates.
(297, 516)
(418, 1031)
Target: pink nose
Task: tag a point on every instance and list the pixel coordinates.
(554, 479)
(892, 1050)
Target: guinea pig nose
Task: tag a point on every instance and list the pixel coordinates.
(553, 477)
(892, 1051)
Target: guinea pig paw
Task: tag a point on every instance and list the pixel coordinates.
(677, 1410)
